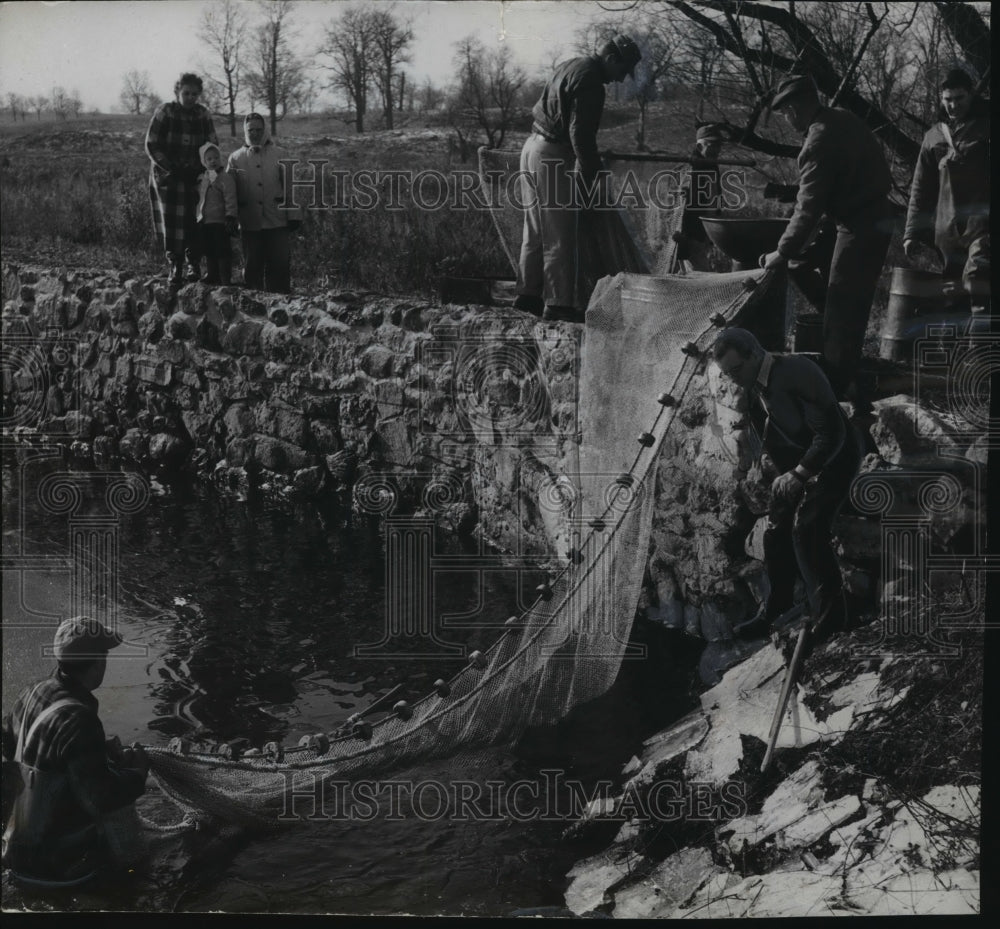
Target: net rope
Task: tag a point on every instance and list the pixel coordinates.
(644, 340)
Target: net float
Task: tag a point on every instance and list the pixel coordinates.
(362, 729)
(666, 399)
(442, 688)
(646, 440)
(478, 659)
(234, 748)
(179, 746)
(275, 750)
(402, 709)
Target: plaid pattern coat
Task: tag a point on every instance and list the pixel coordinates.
(172, 142)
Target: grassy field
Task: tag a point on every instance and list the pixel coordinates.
(75, 193)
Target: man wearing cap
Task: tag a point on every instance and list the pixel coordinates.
(71, 778)
(816, 456)
(843, 175)
(564, 131)
(702, 197)
(950, 196)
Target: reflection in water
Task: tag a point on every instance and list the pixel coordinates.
(251, 613)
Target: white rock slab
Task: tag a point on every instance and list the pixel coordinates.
(591, 878)
(665, 889)
(749, 694)
(792, 801)
(717, 898)
(664, 746)
(778, 894)
(961, 802)
(848, 842)
(922, 892)
(812, 827)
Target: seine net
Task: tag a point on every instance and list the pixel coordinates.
(566, 648)
(638, 235)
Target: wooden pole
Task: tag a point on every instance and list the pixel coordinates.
(381, 702)
(791, 678)
(668, 157)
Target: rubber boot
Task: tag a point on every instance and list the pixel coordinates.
(176, 276)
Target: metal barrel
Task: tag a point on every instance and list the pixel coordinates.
(918, 299)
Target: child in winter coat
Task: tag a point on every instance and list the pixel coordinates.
(267, 223)
(217, 213)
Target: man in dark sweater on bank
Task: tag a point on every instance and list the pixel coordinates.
(564, 134)
(817, 455)
(842, 175)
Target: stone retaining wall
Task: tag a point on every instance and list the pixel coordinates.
(464, 413)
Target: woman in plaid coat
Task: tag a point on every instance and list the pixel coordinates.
(176, 133)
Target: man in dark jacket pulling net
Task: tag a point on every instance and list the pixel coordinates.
(564, 131)
(950, 196)
(817, 455)
(842, 175)
(71, 778)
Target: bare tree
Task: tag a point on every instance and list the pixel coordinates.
(74, 105)
(276, 73)
(60, 105)
(486, 95)
(656, 40)
(38, 103)
(875, 59)
(348, 50)
(302, 97)
(390, 43)
(971, 31)
(429, 97)
(136, 88)
(223, 29)
(17, 105)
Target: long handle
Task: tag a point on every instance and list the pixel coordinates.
(791, 676)
(657, 157)
(378, 704)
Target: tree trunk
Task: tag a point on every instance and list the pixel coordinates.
(232, 104)
(272, 96)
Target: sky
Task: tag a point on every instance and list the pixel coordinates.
(87, 45)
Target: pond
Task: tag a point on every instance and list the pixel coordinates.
(242, 619)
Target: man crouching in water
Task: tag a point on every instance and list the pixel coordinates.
(71, 779)
(807, 436)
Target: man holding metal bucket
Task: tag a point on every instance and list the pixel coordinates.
(842, 175)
